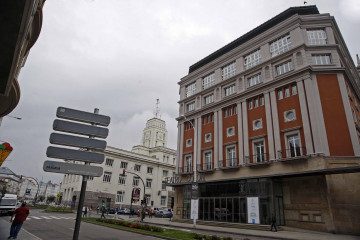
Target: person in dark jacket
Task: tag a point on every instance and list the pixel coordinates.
(103, 210)
(273, 222)
(20, 216)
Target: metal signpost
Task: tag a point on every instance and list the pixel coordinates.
(78, 142)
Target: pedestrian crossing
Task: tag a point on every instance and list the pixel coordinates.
(46, 217)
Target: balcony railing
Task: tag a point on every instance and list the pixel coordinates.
(185, 170)
(296, 152)
(229, 163)
(257, 159)
(205, 167)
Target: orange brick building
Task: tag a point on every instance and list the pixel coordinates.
(271, 123)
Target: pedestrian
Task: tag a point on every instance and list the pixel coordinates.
(20, 216)
(116, 213)
(150, 213)
(85, 211)
(103, 212)
(273, 222)
(170, 215)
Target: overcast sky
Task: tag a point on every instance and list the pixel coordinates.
(120, 56)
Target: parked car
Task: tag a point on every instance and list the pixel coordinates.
(112, 210)
(163, 213)
(124, 211)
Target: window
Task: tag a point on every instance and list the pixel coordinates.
(163, 186)
(257, 124)
(120, 196)
(284, 68)
(188, 142)
(135, 181)
(230, 131)
(149, 170)
(294, 145)
(208, 81)
(280, 46)
(165, 173)
(256, 102)
(259, 151)
(190, 106)
(107, 177)
(137, 167)
(229, 90)
(122, 179)
(123, 165)
(289, 115)
(188, 163)
(254, 80)
(208, 137)
(262, 102)
(228, 71)
(250, 104)
(321, 59)
(109, 162)
(225, 112)
(208, 161)
(280, 94)
(148, 197)
(209, 99)
(231, 156)
(148, 183)
(190, 89)
(252, 59)
(163, 200)
(293, 90)
(287, 92)
(317, 37)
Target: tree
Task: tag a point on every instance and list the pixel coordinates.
(51, 198)
(41, 198)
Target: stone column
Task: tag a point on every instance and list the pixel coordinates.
(240, 134)
(275, 119)
(220, 136)
(269, 127)
(245, 128)
(216, 139)
(305, 118)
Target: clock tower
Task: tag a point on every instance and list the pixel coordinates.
(155, 133)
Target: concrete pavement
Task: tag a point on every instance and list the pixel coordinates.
(5, 230)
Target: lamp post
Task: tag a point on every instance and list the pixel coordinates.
(194, 167)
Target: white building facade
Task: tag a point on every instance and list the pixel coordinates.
(146, 166)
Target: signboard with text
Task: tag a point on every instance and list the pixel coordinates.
(253, 210)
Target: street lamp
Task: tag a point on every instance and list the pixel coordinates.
(194, 167)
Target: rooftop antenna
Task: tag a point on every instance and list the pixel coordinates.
(157, 109)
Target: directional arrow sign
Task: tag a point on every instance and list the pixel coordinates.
(78, 128)
(72, 168)
(87, 117)
(74, 141)
(77, 155)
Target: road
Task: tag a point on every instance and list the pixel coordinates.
(56, 226)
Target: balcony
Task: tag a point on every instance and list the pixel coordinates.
(205, 167)
(186, 170)
(230, 163)
(257, 160)
(291, 154)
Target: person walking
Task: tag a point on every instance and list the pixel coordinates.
(273, 222)
(170, 215)
(116, 213)
(103, 212)
(20, 216)
(85, 211)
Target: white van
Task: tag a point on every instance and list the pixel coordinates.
(8, 204)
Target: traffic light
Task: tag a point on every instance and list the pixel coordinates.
(142, 201)
(123, 172)
(103, 200)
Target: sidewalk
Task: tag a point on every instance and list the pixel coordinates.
(5, 231)
(297, 234)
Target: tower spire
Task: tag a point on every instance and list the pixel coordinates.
(157, 109)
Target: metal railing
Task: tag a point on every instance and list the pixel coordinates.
(205, 167)
(257, 158)
(186, 169)
(229, 163)
(292, 152)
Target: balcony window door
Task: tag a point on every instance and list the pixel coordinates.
(259, 151)
(188, 164)
(208, 161)
(294, 145)
(231, 156)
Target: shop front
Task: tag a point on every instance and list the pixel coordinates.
(240, 201)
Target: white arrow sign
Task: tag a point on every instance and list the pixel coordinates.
(72, 168)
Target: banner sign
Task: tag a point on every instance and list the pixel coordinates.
(136, 194)
(253, 210)
(194, 209)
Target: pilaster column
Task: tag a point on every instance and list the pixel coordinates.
(198, 143)
(305, 118)
(220, 136)
(240, 134)
(245, 128)
(180, 145)
(275, 119)
(269, 126)
(348, 114)
(216, 139)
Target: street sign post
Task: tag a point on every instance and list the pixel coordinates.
(77, 155)
(87, 129)
(72, 168)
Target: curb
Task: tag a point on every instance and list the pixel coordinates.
(129, 230)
